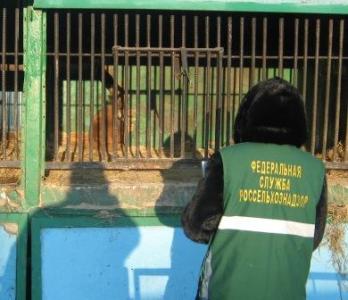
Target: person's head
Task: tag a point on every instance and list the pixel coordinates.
(272, 112)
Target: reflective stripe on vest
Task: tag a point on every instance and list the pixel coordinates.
(267, 226)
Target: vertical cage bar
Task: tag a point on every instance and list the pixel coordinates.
(218, 31)
(172, 86)
(183, 31)
(253, 51)
(207, 31)
(3, 83)
(196, 82)
(219, 85)
(264, 49)
(68, 87)
(281, 47)
(315, 96)
(148, 84)
(210, 80)
(16, 106)
(218, 125)
(294, 77)
(137, 37)
(241, 59)
(184, 101)
(91, 92)
(339, 89)
(126, 104)
(172, 89)
(230, 103)
(184, 83)
(327, 89)
(79, 97)
(126, 88)
(104, 136)
(161, 86)
(207, 106)
(115, 24)
(305, 61)
(56, 84)
(126, 31)
(172, 31)
(116, 123)
(116, 130)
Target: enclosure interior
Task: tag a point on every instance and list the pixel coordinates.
(130, 85)
(11, 91)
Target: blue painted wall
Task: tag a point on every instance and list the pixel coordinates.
(154, 262)
(324, 283)
(8, 254)
(149, 262)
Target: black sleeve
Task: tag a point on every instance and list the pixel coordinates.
(321, 214)
(201, 216)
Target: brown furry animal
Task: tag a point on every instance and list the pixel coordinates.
(111, 115)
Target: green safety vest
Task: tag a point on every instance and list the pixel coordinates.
(263, 246)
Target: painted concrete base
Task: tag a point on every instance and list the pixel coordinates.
(324, 283)
(149, 262)
(8, 256)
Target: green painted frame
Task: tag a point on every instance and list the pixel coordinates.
(44, 220)
(21, 246)
(281, 6)
(34, 110)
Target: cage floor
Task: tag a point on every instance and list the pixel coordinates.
(109, 154)
(97, 177)
(9, 152)
(97, 155)
(10, 176)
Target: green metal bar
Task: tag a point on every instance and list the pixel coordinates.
(33, 129)
(36, 280)
(279, 6)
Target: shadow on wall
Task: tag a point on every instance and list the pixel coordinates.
(185, 256)
(86, 257)
(8, 255)
(324, 282)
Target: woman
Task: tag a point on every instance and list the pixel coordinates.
(262, 205)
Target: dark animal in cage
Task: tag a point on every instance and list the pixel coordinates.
(66, 82)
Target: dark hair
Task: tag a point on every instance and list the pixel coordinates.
(272, 112)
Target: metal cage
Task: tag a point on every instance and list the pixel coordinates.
(11, 84)
(140, 90)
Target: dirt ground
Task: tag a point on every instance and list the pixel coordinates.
(337, 177)
(65, 177)
(9, 176)
(95, 177)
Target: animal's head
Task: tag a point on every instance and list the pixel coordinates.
(272, 112)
